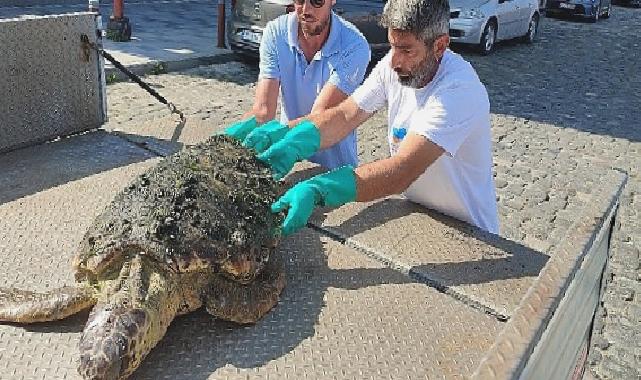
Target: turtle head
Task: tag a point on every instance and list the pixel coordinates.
(123, 327)
(114, 342)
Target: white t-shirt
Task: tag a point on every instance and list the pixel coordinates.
(452, 111)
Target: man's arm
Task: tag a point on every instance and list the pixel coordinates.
(265, 101)
(395, 174)
(336, 123)
(329, 97)
(366, 183)
(268, 86)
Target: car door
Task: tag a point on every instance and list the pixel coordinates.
(506, 13)
(365, 15)
(525, 9)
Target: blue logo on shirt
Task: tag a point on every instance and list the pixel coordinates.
(398, 134)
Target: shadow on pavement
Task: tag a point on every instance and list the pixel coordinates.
(521, 261)
(73, 324)
(40, 167)
(242, 71)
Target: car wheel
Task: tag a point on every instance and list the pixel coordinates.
(533, 29)
(597, 13)
(488, 38)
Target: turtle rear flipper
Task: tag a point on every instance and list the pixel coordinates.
(240, 303)
(24, 306)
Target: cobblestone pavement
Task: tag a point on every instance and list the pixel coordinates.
(566, 104)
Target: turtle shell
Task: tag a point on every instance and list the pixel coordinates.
(206, 207)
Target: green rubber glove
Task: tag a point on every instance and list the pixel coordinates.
(299, 143)
(265, 136)
(240, 129)
(334, 188)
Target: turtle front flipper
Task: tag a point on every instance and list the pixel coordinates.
(246, 303)
(130, 318)
(24, 306)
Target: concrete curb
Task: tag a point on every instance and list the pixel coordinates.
(114, 75)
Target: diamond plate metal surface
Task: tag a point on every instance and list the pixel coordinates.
(342, 315)
(486, 271)
(48, 86)
(31, 170)
(482, 269)
(49, 195)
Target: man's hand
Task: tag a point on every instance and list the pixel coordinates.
(300, 201)
(240, 129)
(265, 136)
(334, 188)
(299, 143)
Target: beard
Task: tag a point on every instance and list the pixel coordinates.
(420, 75)
(311, 28)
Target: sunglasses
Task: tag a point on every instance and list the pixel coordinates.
(314, 3)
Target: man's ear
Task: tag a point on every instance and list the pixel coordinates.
(440, 45)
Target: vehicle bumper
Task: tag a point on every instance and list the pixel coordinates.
(467, 31)
(554, 8)
(242, 45)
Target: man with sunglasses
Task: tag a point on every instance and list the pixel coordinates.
(439, 129)
(316, 60)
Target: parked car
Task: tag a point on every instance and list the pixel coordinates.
(592, 9)
(478, 22)
(483, 22)
(628, 3)
(249, 17)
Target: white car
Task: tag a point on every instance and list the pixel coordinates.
(483, 22)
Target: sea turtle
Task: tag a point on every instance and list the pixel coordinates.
(195, 229)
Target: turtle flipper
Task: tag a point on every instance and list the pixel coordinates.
(24, 306)
(248, 303)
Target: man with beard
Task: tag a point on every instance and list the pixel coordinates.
(316, 59)
(439, 129)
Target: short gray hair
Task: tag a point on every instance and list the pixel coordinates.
(426, 19)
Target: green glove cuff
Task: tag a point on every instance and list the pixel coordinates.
(336, 187)
(330, 189)
(305, 138)
(299, 143)
(240, 129)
